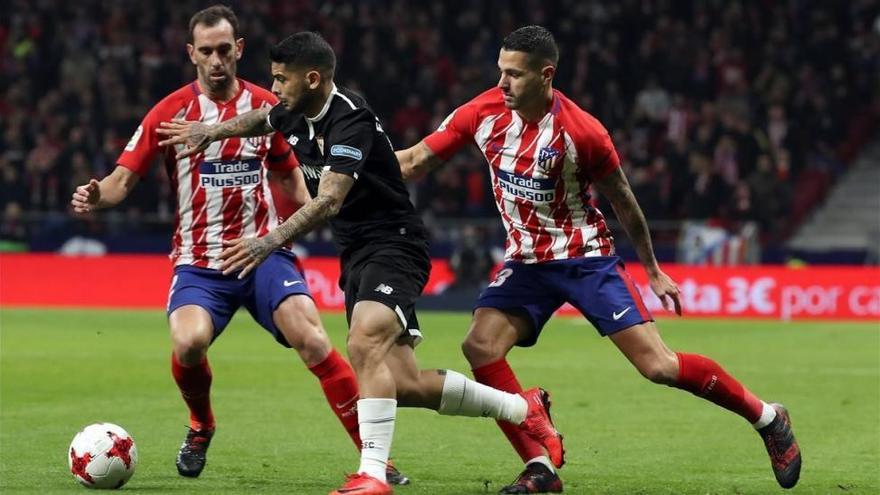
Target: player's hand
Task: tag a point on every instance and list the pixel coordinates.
(195, 136)
(86, 197)
(666, 289)
(243, 255)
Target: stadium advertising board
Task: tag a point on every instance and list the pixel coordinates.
(763, 292)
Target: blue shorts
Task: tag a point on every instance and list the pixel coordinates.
(261, 292)
(598, 287)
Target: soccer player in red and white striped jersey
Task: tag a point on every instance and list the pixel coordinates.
(223, 194)
(544, 153)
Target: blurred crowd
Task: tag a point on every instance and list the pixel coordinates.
(719, 108)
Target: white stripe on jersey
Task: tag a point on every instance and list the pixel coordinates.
(184, 200)
(248, 150)
(512, 140)
(545, 216)
(573, 197)
(213, 233)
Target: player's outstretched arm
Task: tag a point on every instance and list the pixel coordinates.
(417, 161)
(293, 185)
(196, 136)
(246, 254)
(615, 187)
(110, 191)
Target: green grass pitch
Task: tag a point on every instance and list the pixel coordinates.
(61, 370)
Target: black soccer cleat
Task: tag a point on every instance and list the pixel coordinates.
(536, 478)
(393, 476)
(785, 455)
(191, 457)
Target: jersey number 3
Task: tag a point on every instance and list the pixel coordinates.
(501, 277)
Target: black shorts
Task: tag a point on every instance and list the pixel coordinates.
(393, 274)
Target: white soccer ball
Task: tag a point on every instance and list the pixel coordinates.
(102, 455)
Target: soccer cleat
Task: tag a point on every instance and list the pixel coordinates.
(785, 455)
(394, 476)
(536, 478)
(539, 426)
(363, 484)
(191, 457)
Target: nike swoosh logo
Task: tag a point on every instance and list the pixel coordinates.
(350, 490)
(288, 283)
(618, 316)
(341, 405)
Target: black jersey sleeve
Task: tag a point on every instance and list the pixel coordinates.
(349, 143)
(279, 118)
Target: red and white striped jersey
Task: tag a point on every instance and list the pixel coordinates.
(222, 193)
(541, 173)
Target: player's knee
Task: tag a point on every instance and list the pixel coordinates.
(190, 345)
(661, 371)
(363, 351)
(480, 349)
(299, 323)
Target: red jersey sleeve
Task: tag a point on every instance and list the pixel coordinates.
(457, 130)
(596, 153)
(143, 146)
(280, 157)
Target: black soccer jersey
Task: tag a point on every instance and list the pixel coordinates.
(346, 137)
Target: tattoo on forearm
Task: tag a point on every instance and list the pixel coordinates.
(252, 123)
(631, 217)
(306, 219)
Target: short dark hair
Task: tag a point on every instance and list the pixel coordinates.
(307, 50)
(537, 41)
(212, 16)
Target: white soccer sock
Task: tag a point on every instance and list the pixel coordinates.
(464, 397)
(768, 414)
(376, 421)
(542, 459)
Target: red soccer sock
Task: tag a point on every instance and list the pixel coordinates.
(340, 387)
(499, 375)
(194, 383)
(705, 378)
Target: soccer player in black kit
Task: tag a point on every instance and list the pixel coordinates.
(355, 182)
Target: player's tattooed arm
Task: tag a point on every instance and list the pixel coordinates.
(196, 136)
(416, 161)
(615, 187)
(243, 255)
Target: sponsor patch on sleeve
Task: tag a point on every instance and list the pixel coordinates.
(346, 151)
(132, 143)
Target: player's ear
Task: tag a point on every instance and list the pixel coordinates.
(239, 48)
(313, 79)
(547, 73)
(191, 51)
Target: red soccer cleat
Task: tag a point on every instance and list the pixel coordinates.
(539, 425)
(785, 455)
(363, 484)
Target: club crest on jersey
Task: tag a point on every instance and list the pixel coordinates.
(546, 157)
